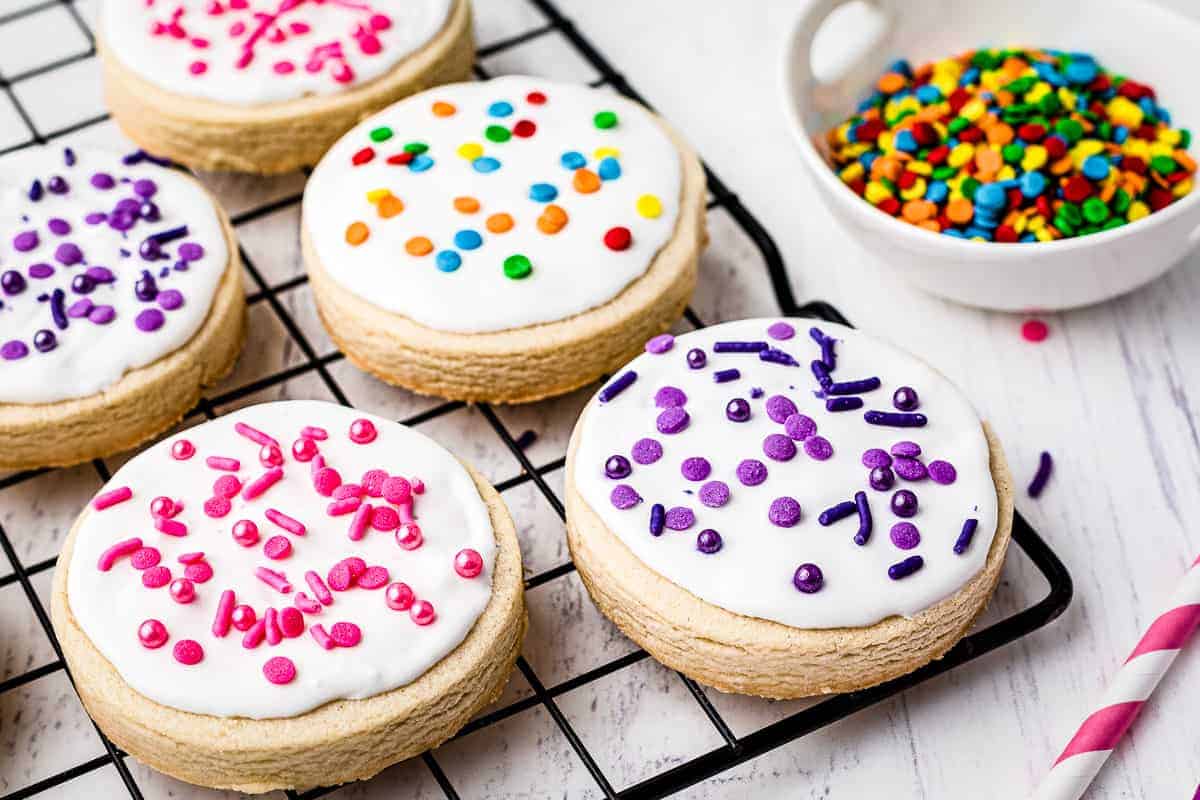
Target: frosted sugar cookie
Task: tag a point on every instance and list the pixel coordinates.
(120, 298)
(503, 241)
(266, 86)
(293, 595)
(785, 510)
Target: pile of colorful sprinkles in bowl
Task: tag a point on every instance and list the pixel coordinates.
(1013, 145)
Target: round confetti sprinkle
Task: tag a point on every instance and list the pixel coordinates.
(779, 408)
(751, 472)
(470, 151)
(485, 164)
(670, 397)
(448, 260)
(517, 266)
(418, 246)
(646, 451)
(542, 192)
(572, 160)
(649, 206)
(443, 109)
(500, 108)
(784, 512)
(381, 134)
(468, 239)
(618, 238)
(942, 472)
(605, 120)
(279, 670)
(910, 469)
(680, 518)
(876, 457)
(714, 494)
(466, 205)
(799, 426)
(497, 133)
(778, 447)
(672, 420)
(781, 331)
(624, 497)
(696, 468)
(905, 535)
(1034, 330)
(499, 223)
(357, 233)
(808, 578)
(188, 652)
(818, 447)
(660, 344)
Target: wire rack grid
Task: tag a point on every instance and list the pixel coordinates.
(735, 749)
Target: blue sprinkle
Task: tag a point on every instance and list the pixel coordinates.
(542, 193)
(609, 169)
(937, 191)
(467, 239)
(929, 94)
(1081, 71)
(1027, 237)
(448, 260)
(420, 163)
(955, 232)
(901, 66)
(905, 142)
(500, 109)
(1033, 184)
(1095, 168)
(1120, 134)
(969, 77)
(485, 164)
(990, 196)
(573, 159)
(868, 159)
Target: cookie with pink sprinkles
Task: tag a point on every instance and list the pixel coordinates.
(296, 594)
(785, 509)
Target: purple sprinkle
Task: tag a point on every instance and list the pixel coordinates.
(818, 447)
(127, 205)
(784, 512)
(616, 387)
(781, 331)
(190, 251)
(120, 221)
(146, 288)
(103, 181)
(779, 408)
(821, 373)
(696, 468)
(904, 503)
(163, 237)
(35, 190)
(739, 347)
(95, 218)
(816, 334)
(778, 447)
(149, 320)
(149, 212)
(799, 426)
(12, 282)
(882, 479)
(726, 375)
(737, 410)
(646, 451)
(853, 387)
(617, 467)
(656, 344)
(942, 472)
(808, 578)
(751, 472)
(45, 341)
(80, 308)
(40, 270)
(100, 274)
(670, 397)
(905, 399)
(895, 420)
(25, 241)
(905, 568)
(672, 420)
(1045, 464)
(144, 187)
(658, 517)
(102, 315)
(82, 284)
(837, 512)
(708, 542)
(58, 185)
(773, 355)
(696, 358)
(13, 350)
(864, 518)
(905, 535)
(680, 518)
(964, 538)
(906, 449)
(624, 496)
(57, 312)
(843, 403)
(714, 494)
(68, 156)
(756, 392)
(911, 469)
(59, 226)
(68, 253)
(876, 457)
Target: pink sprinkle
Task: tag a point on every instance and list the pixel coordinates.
(318, 464)
(318, 588)
(409, 536)
(269, 455)
(318, 633)
(325, 480)
(156, 577)
(277, 547)
(191, 558)
(406, 512)
(373, 578)
(1035, 330)
(468, 563)
(243, 617)
(237, 29)
(279, 670)
(310, 431)
(358, 525)
(109, 499)
(397, 490)
(357, 567)
(145, 558)
(163, 507)
(422, 612)
(380, 22)
(198, 67)
(345, 634)
(362, 431)
(254, 435)
(307, 604)
(182, 590)
(342, 507)
(214, 8)
(399, 596)
(339, 577)
(418, 486)
(200, 572)
(199, 42)
(226, 486)
(276, 580)
(348, 490)
(274, 635)
(171, 527)
(385, 518)
(182, 450)
(188, 652)
(223, 463)
(291, 622)
(304, 450)
(299, 28)
(289, 524)
(276, 36)
(152, 634)
(217, 507)
(124, 548)
(343, 74)
(245, 533)
(284, 67)
(224, 617)
(372, 482)
(255, 635)
(370, 45)
(263, 482)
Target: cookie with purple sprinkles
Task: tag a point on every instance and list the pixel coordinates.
(821, 511)
(120, 299)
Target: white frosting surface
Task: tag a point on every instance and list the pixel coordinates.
(91, 354)
(572, 270)
(254, 52)
(229, 681)
(752, 573)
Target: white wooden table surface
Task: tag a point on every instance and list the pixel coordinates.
(1114, 394)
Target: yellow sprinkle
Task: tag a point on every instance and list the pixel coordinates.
(1006, 173)
(1036, 223)
(1037, 92)
(1182, 188)
(1123, 111)
(375, 195)
(876, 193)
(608, 152)
(1137, 147)
(1085, 148)
(1066, 97)
(962, 152)
(1035, 157)
(650, 206)
(848, 175)
(920, 167)
(1161, 149)
(1137, 210)
(916, 191)
(973, 110)
(1043, 235)
(884, 142)
(470, 150)
(1170, 136)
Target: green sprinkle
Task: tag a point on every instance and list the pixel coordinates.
(381, 134)
(1163, 165)
(1121, 202)
(969, 187)
(1069, 129)
(903, 115)
(1013, 153)
(497, 133)
(1071, 213)
(605, 119)
(958, 124)
(1064, 225)
(517, 267)
(416, 148)
(1185, 139)
(1095, 210)
(1114, 222)
(1021, 85)
(1050, 104)
(943, 173)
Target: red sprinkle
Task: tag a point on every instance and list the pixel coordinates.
(326, 480)
(303, 450)
(535, 98)
(362, 431)
(372, 482)
(182, 450)
(339, 578)
(363, 156)
(1034, 330)
(384, 518)
(399, 596)
(243, 618)
(109, 499)
(618, 238)
(401, 158)
(397, 490)
(422, 612)
(524, 129)
(468, 563)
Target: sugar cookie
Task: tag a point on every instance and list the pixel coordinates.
(786, 512)
(120, 298)
(295, 594)
(503, 241)
(266, 86)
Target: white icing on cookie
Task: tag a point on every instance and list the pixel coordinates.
(573, 269)
(59, 241)
(394, 650)
(253, 52)
(752, 573)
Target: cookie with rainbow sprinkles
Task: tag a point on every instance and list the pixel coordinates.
(505, 240)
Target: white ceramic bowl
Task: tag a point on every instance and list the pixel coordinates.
(1139, 38)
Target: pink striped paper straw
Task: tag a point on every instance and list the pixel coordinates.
(1129, 690)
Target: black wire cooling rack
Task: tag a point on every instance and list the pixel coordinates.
(736, 749)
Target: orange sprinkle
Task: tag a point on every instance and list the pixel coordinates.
(916, 211)
(357, 233)
(443, 109)
(1063, 165)
(1185, 161)
(390, 206)
(467, 205)
(586, 181)
(1107, 192)
(552, 220)
(499, 223)
(892, 82)
(1000, 134)
(989, 160)
(890, 168)
(930, 225)
(418, 246)
(960, 210)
